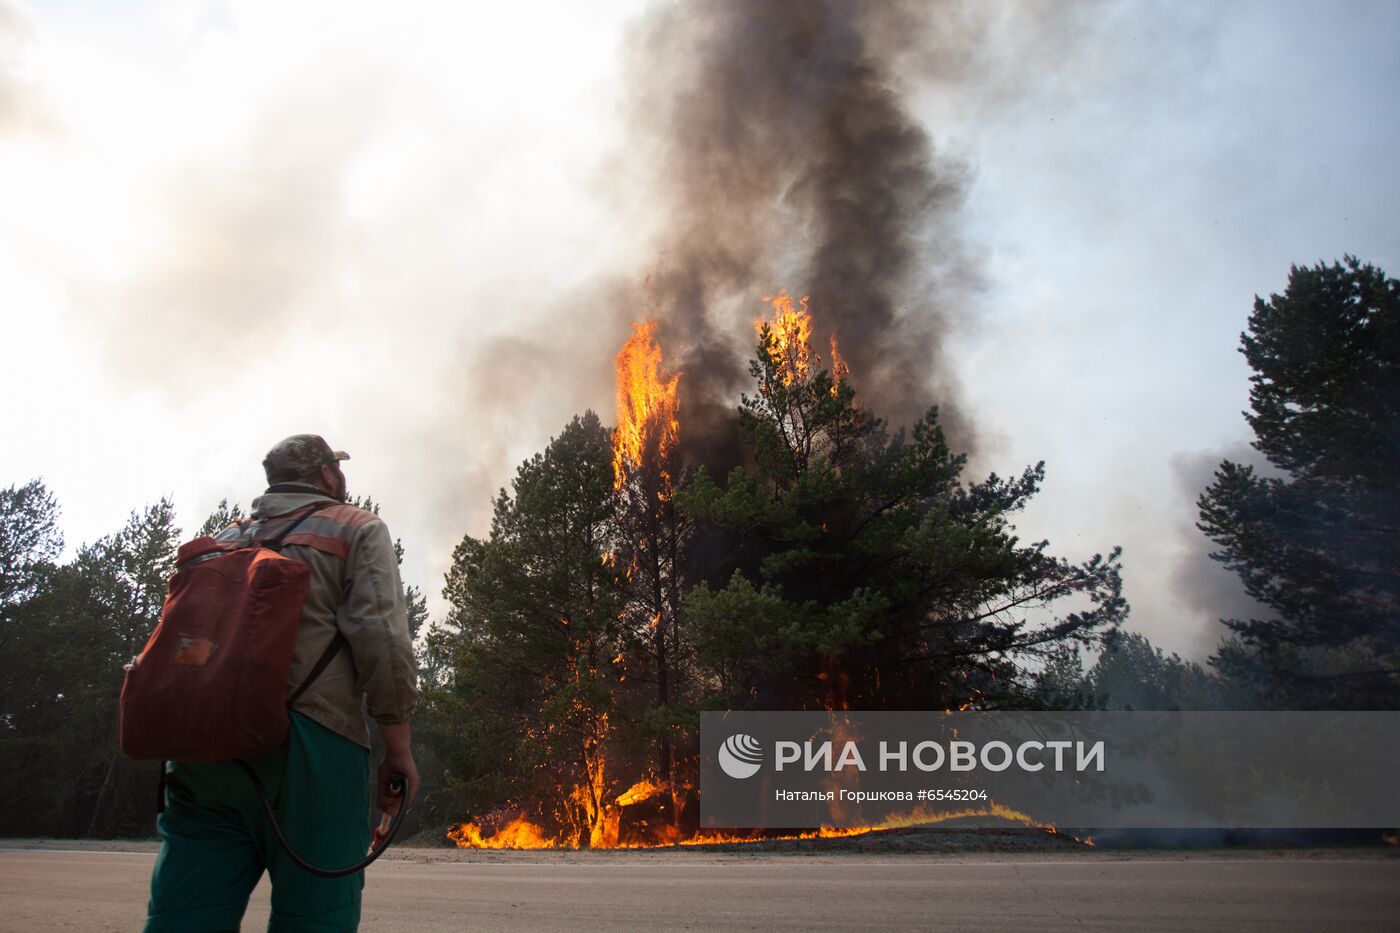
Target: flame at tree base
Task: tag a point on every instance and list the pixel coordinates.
(519, 833)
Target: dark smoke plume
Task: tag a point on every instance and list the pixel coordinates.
(786, 158)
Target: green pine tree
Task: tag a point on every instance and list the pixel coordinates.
(1319, 543)
(533, 635)
(219, 519)
(862, 572)
(67, 642)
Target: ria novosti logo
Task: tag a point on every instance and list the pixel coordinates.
(741, 756)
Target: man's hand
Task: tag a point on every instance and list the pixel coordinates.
(398, 759)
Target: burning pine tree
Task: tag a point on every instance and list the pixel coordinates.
(536, 625)
(651, 541)
(568, 650)
(848, 567)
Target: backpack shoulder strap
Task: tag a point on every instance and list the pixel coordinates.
(323, 662)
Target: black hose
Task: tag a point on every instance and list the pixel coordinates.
(397, 783)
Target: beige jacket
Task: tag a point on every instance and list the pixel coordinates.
(355, 590)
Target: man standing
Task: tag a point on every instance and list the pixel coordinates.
(354, 629)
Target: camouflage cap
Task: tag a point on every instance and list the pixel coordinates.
(299, 457)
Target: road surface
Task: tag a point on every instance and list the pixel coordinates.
(578, 892)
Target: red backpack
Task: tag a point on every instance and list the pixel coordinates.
(211, 683)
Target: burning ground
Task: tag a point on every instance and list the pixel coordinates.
(932, 840)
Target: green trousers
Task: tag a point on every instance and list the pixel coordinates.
(217, 841)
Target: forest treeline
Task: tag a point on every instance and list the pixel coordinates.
(626, 584)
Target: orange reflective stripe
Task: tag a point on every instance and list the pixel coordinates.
(347, 515)
(334, 546)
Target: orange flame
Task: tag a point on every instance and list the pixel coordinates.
(789, 336)
(921, 816)
(520, 833)
(839, 369)
(790, 342)
(647, 406)
(642, 790)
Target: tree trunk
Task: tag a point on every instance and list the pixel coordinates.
(101, 792)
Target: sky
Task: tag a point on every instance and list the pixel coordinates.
(421, 230)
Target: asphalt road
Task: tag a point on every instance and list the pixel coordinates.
(65, 890)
